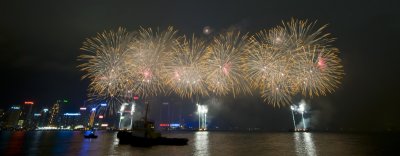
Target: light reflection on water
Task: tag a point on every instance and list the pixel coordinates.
(304, 144)
(15, 144)
(36, 141)
(201, 143)
(85, 145)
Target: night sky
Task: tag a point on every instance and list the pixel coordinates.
(40, 41)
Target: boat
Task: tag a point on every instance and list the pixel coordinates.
(142, 134)
(90, 135)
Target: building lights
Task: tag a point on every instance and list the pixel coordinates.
(72, 114)
(104, 125)
(15, 107)
(28, 102)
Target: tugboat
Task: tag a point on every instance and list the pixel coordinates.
(144, 135)
(90, 134)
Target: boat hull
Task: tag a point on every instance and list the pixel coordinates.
(127, 138)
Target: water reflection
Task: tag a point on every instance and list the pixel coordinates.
(304, 144)
(201, 143)
(114, 144)
(16, 143)
(35, 141)
(85, 145)
(63, 137)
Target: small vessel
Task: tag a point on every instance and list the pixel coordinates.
(143, 134)
(90, 134)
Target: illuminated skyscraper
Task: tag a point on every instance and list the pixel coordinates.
(92, 117)
(27, 115)
(44, 118)
(54, 114)
(85, 114)
(165, 114)
(55, 117)
(12, 117)
(70, 120)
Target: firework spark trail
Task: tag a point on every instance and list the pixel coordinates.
(303, 33)
(269, 66)
(146, 60)
(320, 71)
(225, 64)
(186, 71)
(317, 67)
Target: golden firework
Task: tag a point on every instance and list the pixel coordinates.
(104, 62)
(224, 66)
(186, 71)
(146, 60)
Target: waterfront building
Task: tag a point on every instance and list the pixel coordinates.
(12, 117)
(54, 114)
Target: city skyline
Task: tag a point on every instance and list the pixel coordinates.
(23, 117)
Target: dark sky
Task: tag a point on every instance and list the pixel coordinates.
(40, 41)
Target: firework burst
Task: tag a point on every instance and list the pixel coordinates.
(146, 60)
(319, 71)
(280, 62)
(186, 70)
(104, 64)
(269, 68)
(225, 62)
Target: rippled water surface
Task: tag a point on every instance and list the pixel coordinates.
(203, 143)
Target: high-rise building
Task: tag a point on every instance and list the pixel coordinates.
(36, 119)
(44, 118)
(85, 114)
(12, 117)
(70, 120)
(54, 115)
(27, 115)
